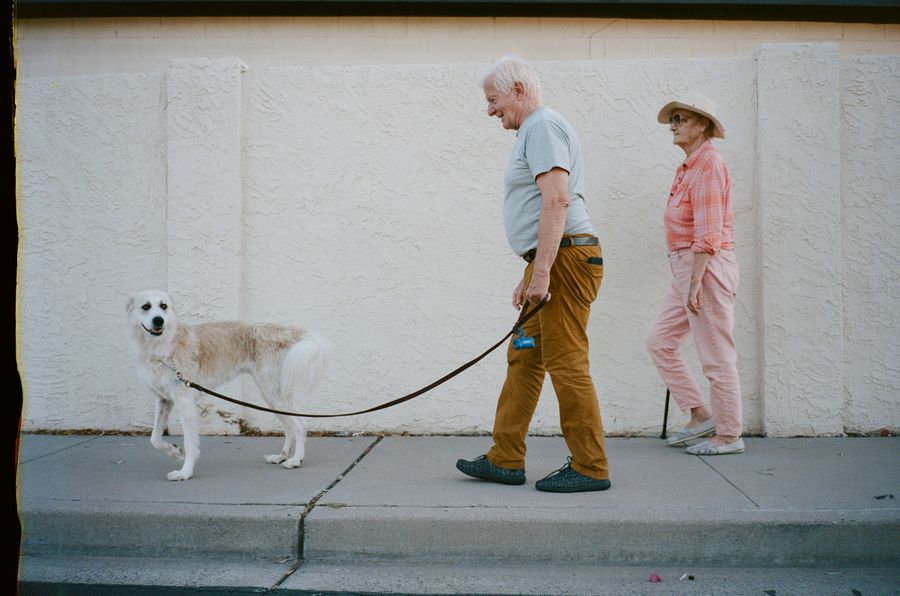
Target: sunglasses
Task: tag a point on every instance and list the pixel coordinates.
(677, 120)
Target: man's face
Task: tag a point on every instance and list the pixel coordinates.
(508, 106)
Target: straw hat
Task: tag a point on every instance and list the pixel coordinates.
(693, 102)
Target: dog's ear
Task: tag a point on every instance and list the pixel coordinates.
(129, 306)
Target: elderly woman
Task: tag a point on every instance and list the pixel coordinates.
(699, 224)
(547, 225)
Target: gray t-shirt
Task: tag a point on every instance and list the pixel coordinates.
(545, 140)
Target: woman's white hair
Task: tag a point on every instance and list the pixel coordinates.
(509, 70)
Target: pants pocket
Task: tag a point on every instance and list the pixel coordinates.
(724, 269)
(586, 277)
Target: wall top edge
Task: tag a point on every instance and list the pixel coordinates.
(841, 11)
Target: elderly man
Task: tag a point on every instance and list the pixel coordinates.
(548, 226)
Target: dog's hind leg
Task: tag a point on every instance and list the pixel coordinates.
(294, 449)
(301, 370)
(269, 390)
(287, 449)
(190, 428)
(160, 421)
(299, 453)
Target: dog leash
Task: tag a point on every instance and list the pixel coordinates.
(524, 316)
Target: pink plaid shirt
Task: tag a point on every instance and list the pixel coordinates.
(699, 214)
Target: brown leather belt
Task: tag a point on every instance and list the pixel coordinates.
(566, 242)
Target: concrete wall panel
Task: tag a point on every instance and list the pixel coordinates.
(800, 193)
(91, 208)
(870, 178)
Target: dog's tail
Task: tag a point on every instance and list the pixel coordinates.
(304, 364)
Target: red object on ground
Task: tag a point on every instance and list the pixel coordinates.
(654, 578)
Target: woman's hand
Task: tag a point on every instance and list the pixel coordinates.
(693, 302)
(698, 270)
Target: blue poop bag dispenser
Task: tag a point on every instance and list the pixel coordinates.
(522, 342)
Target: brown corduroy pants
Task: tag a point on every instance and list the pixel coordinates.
(561, 350)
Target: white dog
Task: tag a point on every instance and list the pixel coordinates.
(283, 361)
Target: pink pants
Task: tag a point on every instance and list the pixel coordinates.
(712, 330)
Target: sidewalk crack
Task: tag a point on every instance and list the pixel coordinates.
(735, 486)
(312, 505)
(314, 501)
(61, 449)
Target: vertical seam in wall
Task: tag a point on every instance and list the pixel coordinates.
(245, 382)
(841, 228)
(760, 259)
(242, 260)
(164, 98)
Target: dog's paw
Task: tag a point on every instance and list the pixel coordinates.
(276, 459)
(179, 475)
(170, 449)
(292, 463)
(176, 452)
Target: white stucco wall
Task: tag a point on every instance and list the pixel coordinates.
(870, 177)
(800, 245)
(91, 168)
(365, 201)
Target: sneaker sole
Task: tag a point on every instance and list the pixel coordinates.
(574, 490)
(507, 481)
(499, 481)
(735, 452)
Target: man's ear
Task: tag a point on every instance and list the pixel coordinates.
(519, 88)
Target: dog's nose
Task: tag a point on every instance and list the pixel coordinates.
(158, 321)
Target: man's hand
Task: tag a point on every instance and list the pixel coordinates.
(539, 287)
(517, 295)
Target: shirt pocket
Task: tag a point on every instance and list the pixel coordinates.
(678, 194)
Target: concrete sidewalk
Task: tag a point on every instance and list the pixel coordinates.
(392, 515)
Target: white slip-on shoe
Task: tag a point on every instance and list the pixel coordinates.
(705, 428)
(707, 448)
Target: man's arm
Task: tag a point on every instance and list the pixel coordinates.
(554, 187)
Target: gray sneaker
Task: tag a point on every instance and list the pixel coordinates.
(480, 467)
(567, 480)
(704, 429)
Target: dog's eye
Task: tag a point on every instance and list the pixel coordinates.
(164, 306)
(146, 306)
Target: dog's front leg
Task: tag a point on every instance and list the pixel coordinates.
(190, 429)
(160, 421)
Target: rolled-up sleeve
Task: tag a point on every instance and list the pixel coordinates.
(710, 198)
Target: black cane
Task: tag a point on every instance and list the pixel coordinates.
(665, 415)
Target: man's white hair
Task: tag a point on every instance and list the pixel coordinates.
(509, 70)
